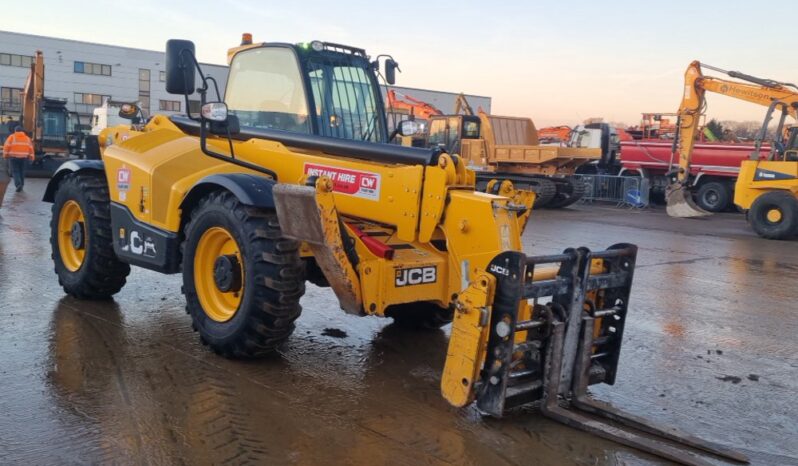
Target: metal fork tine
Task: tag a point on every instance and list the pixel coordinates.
(551, 408)
(582, 401)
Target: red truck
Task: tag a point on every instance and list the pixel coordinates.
(714, 167)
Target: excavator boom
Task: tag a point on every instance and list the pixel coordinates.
(32, 96)
(415, 107)
(461, 106)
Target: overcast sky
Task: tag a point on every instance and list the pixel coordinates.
(557, 62)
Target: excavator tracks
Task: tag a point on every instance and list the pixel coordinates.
(550, 192)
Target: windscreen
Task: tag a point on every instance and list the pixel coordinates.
(264, 90)
(54, 127)
(346, 104)
(470, 129)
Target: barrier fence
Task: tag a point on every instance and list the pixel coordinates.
(630, 191)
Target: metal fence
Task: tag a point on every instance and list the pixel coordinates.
(629, 191)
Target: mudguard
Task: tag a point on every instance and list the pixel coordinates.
(250, 190)
(65, 169)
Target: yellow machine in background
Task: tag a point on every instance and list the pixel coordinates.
(284, 181)
(508, 148)
(767, 186)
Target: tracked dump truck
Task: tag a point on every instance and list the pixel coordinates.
(508, 148)
(291, 178)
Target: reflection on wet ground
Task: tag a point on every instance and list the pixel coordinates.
(709, 348)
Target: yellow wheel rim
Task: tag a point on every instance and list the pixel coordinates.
(774, 215)
(219, 304)
(72, 238)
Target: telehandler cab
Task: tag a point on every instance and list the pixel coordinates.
(291, 178)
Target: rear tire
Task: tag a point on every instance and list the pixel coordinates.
(713, 196)
(422, 315)
(270, 278)
(774, 215)
(87, 268)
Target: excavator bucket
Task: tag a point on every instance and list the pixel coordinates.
(570, 343)
(680, 203)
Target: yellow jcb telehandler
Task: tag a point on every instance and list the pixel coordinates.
(291, 178)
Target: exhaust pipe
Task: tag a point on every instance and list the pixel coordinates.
(680, 202)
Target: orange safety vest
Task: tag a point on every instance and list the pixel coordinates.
(18, 145)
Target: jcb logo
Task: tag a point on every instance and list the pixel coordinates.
(416, 276)
(500, 270)
(138, 246)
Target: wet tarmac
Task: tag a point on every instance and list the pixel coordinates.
(710, 347)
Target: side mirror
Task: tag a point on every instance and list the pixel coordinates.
(408, 128)
(180, 69)
(129, 111)
(221, 122)
(214, 111)
(390, 71)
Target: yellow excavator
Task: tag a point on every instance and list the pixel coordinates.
(767, 185)
(461, 106)
(283, 180)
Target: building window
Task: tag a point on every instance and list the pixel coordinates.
(92, 68)
(144, 89)
(169, 105)
(11, 59)
(90, 99)
(10, 99)
(144, 80)
(162, 76)
(193, 106)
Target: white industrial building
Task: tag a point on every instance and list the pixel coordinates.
(86, 73)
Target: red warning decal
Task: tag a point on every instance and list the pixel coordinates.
(352, 182)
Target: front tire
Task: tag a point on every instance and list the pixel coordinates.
(242, 280)
(82, 240)
(774, 215)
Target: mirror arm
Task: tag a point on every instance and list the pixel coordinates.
(194, 62)
(188, 110)
(228, 158)
(215, 87)
(201, 90)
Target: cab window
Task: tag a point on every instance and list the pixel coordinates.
(346, 106)
(437, 132)
(470, 129)
(264, 90)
